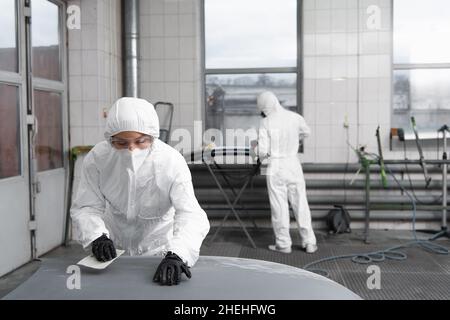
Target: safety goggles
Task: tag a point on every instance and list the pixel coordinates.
(141, 142)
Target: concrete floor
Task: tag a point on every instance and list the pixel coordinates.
(423, 275)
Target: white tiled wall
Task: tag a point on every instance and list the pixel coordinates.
(347, 77)
(170, 64)
(94, 68)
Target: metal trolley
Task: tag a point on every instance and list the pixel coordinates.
(227, 173)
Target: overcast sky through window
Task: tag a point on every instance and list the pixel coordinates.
(250, 33)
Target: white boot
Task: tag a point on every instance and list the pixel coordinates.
(311, 248)
(273, 247)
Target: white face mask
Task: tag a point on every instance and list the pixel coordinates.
(133, 159)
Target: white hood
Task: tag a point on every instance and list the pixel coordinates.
(132, 114)
(268, 103)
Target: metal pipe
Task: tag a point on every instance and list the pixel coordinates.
(394, 166)
(444, 181)
(212, 196)
(354, 215)
(367, 200)
(339, 184)
(130, 35)
(312, 184)
(374, 207)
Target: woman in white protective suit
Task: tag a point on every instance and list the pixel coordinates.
(279, 135)
(136, 194)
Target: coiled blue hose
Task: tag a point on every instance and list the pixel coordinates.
(391, 253)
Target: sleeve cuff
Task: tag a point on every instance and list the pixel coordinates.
(87, 243)
(187, 258)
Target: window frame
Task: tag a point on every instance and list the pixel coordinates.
(226, 71)
(409, 67)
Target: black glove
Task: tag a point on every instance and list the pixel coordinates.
(170, 269)
(103, 248)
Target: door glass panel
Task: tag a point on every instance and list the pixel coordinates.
(8, 36)
(46, 40)
(49, 143)
(9, 131)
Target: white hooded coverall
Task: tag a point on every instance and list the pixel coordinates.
(279, 135)
(146, 209)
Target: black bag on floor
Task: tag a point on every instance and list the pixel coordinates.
(338, 220)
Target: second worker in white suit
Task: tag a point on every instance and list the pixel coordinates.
(279, 135)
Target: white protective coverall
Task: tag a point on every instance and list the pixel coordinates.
(279, 135)
(146, 209)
